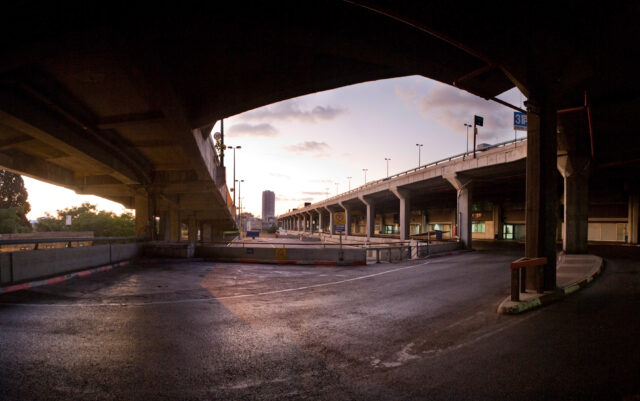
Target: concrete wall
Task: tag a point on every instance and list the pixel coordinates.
(33, 265)
(301, 255)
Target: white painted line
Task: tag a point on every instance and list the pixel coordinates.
(180, 301)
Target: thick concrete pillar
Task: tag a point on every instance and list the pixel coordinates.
(172, 233)
(575, 233)
(143, 217)
(304, 223)
(298, 223)
(464, 195)
(347, 215)
(207, 235)
(320, 221)
(193, 229)
(332, 226)
(541, 193)
(574, 162)
(371, 215)
(633, 218)
(405, 211)
(497, 221)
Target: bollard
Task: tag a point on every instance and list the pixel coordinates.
(377, 255)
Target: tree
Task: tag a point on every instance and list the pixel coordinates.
(12, 221)
(86, 217)
(13, 199)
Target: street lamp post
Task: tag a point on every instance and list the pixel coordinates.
(349, 178)
(234, 171)
(336, 187)
(468, 126)
(239, 201)
(365, 175)
(387, 159)
(419, 145)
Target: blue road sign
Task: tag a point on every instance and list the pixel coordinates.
(519, 121)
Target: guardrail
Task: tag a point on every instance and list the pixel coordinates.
(519, 276)
(69, 241)
(413, 170)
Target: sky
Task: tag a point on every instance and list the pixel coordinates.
(304, 149)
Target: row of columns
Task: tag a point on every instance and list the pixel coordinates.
(170, 223)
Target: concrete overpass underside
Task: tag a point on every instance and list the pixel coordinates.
(111, 99)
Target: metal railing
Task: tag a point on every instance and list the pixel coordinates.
(69, 241)
(413, 170)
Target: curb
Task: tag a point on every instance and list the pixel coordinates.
(548, 297)
(287, 262)
(59, 279)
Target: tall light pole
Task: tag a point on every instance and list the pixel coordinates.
(419, 145)
(234, 171)
(387, 159)
(365, 175)
(468, 126)
(326, 191)
(240, 201)
(349, 178)
(336, 187)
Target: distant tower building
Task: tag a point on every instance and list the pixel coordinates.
(268, 205)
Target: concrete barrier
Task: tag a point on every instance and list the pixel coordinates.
(161, 249)
(16, 267)
(301, 256)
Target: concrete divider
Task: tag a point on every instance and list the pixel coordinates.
(21, 266)
(302, 256)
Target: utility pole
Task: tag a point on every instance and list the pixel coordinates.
(468, 126)
(479, 121)
(349, 178)
(387, 159)
(365, 175)
(234, 171)
(419, 145)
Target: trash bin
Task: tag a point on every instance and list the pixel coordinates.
(439, 235)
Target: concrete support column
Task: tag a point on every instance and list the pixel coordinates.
(173, 225)
(371, 215)
(304, 223)
(320, 221)
(332, 226)
(576, 203)
(463, 187)
(207, 235)
(541, 193)
(143, 217)
(574, 163)
(405, 211)
(310, 214)
(193, 229)
(347, 215)
(298, 223)
(633, 218)
(497, 221)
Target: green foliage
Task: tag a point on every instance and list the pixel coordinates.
(86, 217)
(13, 199)
(12, 221)
(272, 229)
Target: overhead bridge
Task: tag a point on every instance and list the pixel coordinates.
(370, 209)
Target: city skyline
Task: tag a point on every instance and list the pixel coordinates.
(301, 148)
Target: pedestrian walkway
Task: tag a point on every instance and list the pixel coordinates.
(573, 273)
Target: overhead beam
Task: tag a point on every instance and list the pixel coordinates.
(40, 169)
(26, 114)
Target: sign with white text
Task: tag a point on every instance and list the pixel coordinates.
(519, 121)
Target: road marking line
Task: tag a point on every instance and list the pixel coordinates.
(180, 301)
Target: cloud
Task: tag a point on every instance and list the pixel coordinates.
(315, 193)
(245, 129)
(452, 107)
(279, 175)
(291, 110)
(319, 149)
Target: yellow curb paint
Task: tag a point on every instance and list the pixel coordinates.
(571, 290)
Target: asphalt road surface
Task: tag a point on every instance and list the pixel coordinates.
(420, 330)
